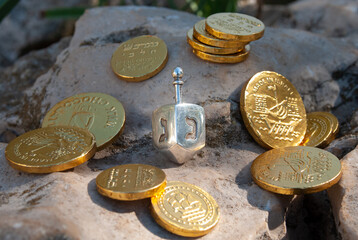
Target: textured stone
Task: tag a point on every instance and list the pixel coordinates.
(329, 18)
(344, 197)
(343, 145)
(354, 122)
(24, 28)
(15, 79)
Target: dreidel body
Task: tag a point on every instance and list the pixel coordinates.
(179, 129)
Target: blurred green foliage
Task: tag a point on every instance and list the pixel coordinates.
(6, 6)
(205, 8)
(73, 12)
(201, 8)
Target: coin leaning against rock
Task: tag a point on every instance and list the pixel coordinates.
(273, 111)
(195, 44)
(229, 58)
(296, 170)
(131, 182)
(185, 210)
(101, 114)
(203, 36)
(139, 58)
(235, 26)
(334, 122)
(50, 149)
(320, 130)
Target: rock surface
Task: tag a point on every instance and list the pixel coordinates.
(325, 17)
(14, 80)
(309, 61)
(344, 197)
(24, 28)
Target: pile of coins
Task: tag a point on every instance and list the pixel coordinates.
(225, 37)
(72, 131)
(274, 114)
(179, 207)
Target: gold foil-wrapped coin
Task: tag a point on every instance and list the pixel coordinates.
(139, 58)
(185, 210)
(273, 111)
(195, 44)
(230, 58)
(296, 170)
(334, 122)
(235, 26)
(320, 129)
(203, 36)
(101, 114)
(50, 149)
(131, 182)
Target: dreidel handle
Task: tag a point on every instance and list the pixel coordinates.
(177, 75)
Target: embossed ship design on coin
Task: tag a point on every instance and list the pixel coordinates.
(273, 110)
(185, 209)
(187, 206)
(278, 117)
(179, 129)
(296, 170)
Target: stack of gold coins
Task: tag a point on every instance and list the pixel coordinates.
(225, 37)
(72, 131)
(179, 207)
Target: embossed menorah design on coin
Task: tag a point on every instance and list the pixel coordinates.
(179, 129)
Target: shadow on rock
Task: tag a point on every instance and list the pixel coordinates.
(126, 151)
(310, 217)
(274, 204)
(11, 178)
(140, 207)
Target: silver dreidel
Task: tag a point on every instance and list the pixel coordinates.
(179, 129)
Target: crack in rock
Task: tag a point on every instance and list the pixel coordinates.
(118, 37)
